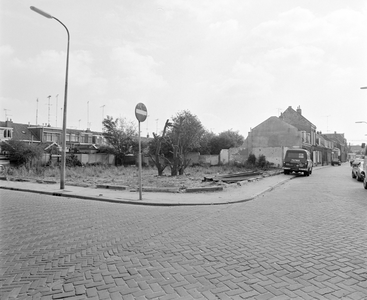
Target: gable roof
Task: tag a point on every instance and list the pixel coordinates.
(274, 120)
(293, 112)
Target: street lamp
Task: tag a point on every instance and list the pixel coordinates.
(63, 153)
(361, 122)
(363, 87)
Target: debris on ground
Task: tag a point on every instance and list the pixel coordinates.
(232, 178)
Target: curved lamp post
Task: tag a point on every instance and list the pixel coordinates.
(63, 153)
(361, 122)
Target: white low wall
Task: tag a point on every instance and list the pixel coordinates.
(103, 158)
(213, 160)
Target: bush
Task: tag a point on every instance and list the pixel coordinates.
(251, 160)
(21, 153)
(262, 162)
(72, 161)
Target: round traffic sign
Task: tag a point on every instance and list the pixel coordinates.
(141, 112)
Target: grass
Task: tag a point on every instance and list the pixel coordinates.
(128, 176)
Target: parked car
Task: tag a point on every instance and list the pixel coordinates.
(298, 161)
(336, 161)
(365, 166)
(358, 171)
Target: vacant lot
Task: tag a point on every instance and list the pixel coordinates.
(127, 176)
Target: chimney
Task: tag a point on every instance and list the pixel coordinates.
(299, 110)
(9, 123)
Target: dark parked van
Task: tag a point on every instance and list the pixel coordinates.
(297, 160)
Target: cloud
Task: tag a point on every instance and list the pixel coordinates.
(205, 11)
(246, 80)
(300, 57)
(137, 70)
(6, 51)
(300, 26)
(301, 47)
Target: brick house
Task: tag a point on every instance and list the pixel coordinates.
(320, 146)
(304, 126)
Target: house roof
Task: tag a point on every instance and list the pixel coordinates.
(21, 132)
(274, 119)
(337, 137)
(292, 111)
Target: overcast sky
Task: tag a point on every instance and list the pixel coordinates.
(232, 63)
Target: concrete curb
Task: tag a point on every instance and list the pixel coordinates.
(142, 202)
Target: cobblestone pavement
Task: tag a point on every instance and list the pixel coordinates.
(293, 243)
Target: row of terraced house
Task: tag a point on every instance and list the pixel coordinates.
(83, 143)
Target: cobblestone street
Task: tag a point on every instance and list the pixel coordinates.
(303, 240)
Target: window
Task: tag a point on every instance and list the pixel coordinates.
(7, 133)
(47, 136)
(295, 155)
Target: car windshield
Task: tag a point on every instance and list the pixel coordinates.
(296, 154)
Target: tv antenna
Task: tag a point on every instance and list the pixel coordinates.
(6, 113)
(37, 112)
(88, 125)
(327, 122)
(56, 107)
(102, 111)
(49, 105)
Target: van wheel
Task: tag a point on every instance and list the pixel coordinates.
(353, 175)
(286, 172)
(307, 173)
(365, 183)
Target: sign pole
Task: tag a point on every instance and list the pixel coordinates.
(141, 114)
(140, 165)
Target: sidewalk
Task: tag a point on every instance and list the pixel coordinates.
(231, 194)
